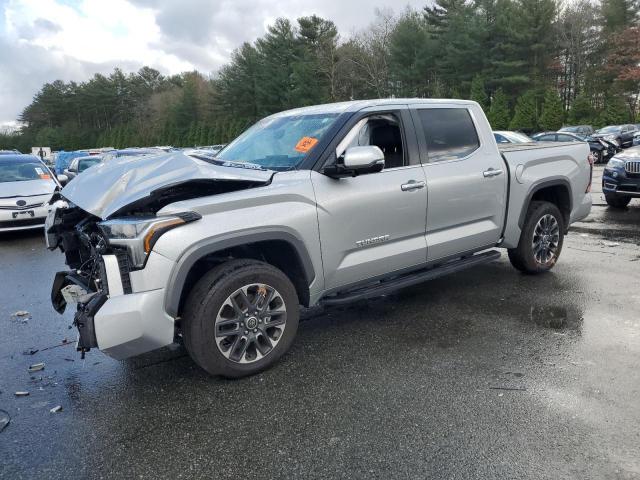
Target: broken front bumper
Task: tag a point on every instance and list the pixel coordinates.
(122, 324)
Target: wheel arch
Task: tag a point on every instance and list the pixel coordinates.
(557, 191)
(282, 249)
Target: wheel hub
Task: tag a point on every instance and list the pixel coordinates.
(251, 323)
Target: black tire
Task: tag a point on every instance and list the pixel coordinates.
(523, 256)
(617, 201)
(205, 303)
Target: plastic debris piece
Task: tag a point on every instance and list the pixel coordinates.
(610, 244)
(21, 313)
(36, 367)
(56, 409)
(5, 419)
(22, 394)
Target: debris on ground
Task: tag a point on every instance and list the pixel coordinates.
(520, 389)
(5, 419)
(22, 394)
(21, 313)
(36, 367)
(610, 244)
(31, 351)
(56, 409)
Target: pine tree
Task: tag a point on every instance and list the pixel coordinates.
(552, 111)
(581, 111)
(499, 114)
(525, 117)
(478, 92)
(615, 111)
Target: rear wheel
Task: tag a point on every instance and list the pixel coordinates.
(617, 201)
(541, 239)
(240, 318)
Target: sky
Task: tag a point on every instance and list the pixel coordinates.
(46, 40)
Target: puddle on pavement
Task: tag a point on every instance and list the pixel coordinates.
(556, 317)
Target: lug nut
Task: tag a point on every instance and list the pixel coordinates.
(246, 332)
(255, 331)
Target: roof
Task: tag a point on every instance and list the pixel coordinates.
(355, 105)
(19, 157)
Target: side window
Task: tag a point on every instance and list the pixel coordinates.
(547, 138)
(382, 130)
(500, 138)
(565, 138)
(450, 133)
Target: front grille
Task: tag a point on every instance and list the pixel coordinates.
(629, 188)
(16, 207)
(632, 166)
(22, 223)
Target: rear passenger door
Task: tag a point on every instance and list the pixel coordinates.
(466, 179)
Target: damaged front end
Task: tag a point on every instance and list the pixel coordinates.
(101, 255)
(106, 222)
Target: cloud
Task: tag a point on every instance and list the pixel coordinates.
(45, 40)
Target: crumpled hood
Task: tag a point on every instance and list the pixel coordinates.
(106, 188)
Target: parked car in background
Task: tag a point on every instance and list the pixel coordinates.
(320, 205)
(621, 178)
(503, 136)
(620, 134)
(80, 164)
(600, 148)
(583, 130)
(9, 152)
(130, 152)
(636, 137)
(26, 186)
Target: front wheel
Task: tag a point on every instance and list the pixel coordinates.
(541, 239)
(617, 201)
(240, 318)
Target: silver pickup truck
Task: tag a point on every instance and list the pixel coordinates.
(319, 205)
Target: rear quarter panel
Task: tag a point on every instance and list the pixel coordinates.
(534, 166)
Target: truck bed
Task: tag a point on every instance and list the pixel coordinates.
(552, 163)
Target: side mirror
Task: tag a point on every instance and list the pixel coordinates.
(357, 161)
(63, 179)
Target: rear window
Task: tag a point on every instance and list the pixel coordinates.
(450, 133)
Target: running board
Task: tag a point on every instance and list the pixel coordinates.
(387, 286)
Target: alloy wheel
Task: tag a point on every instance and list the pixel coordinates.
(546, 236)
(250, 323)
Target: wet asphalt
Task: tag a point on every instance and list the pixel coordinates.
(483, 374)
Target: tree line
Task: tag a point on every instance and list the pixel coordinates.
(531, 64)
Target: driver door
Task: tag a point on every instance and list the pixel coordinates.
(374, 224)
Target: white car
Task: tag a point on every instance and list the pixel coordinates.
(26, 186)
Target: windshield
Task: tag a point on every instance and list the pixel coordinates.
(609, 130)
(22, 170)
(279, 143)
(89, 162)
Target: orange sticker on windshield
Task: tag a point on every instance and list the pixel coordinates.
(305, 144)
(45, 176)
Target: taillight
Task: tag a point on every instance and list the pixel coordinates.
(591, 159)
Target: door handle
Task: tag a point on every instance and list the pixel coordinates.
(412, 185)
(492, 173)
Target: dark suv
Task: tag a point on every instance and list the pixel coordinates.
(621, 134)
(621, 178)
